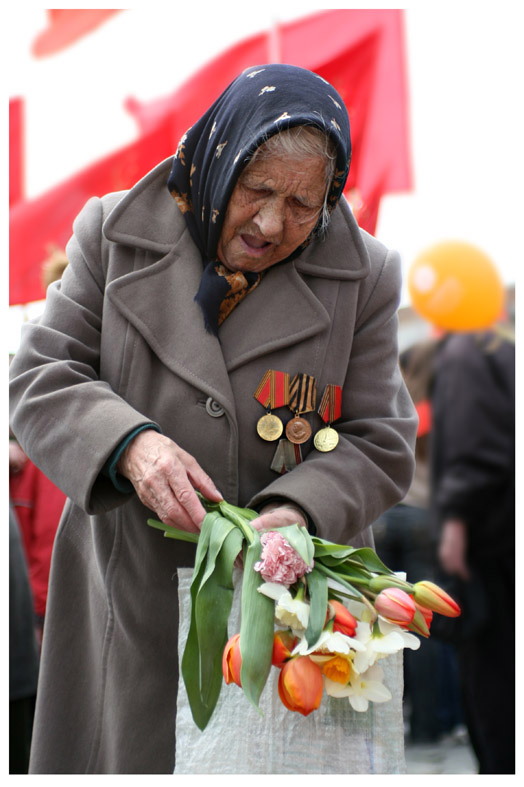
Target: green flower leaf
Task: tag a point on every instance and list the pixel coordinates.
(213, 606)
(369, 558)
(174, 532)
(318, 598)
(326, 548)
(299, 538)
(211, 598)
(191, 656)
(256, 628)
(233, 512)
(354, 592)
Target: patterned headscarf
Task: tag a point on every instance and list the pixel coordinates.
(213, 152)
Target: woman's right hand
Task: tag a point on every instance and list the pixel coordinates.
(165, 478)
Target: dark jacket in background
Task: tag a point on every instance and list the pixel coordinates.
(474, 480)
(473, 451)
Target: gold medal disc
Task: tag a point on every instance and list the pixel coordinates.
(326, 439)
(298, 430)
(270, 427)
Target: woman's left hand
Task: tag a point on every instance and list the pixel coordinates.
(276, 515)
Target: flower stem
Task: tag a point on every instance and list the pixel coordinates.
(320, 566)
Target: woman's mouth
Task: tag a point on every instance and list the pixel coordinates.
(254, 245)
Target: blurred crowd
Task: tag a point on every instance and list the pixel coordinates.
(455, 526)
(35, 507)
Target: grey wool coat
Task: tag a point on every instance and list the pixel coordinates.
(122, 343)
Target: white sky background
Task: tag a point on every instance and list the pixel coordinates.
(465, 72)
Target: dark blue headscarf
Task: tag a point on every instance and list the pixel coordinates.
(213, 152)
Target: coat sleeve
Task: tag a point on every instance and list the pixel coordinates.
(370, 470)
(65, 417)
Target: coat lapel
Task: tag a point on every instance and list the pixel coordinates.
(282, 311)
(158, 302)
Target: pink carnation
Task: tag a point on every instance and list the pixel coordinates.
(279, 561)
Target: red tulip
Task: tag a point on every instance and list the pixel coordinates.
(344, 622)
(300, 685)
(283, 644)
(429, 595)
(232, 661)
(396, 606)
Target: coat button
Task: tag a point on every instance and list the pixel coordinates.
(213, 408)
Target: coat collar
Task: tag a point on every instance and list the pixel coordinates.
(147, 216)
(158, 298)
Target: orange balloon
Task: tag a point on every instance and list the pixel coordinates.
(456, 287)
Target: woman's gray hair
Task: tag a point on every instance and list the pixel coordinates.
(303, 142)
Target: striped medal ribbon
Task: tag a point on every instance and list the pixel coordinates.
(330, 410)
(287, 456)
(302, 399)
(272, 392)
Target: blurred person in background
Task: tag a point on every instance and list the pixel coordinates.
(473, 502)
(405, 541)
(23, 646)
(37, 502)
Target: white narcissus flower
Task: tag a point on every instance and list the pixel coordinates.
(408, 640)
(292, 612)
(388, 639)
(289, 612)
(330, 642)
(361, 689)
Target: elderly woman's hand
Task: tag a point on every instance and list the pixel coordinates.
(279, 515)
(165, 478)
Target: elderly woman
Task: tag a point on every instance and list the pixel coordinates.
(233, 263)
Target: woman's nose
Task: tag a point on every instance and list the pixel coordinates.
(270, 220)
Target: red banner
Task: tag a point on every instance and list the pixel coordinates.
(38, 226)
(16, 150)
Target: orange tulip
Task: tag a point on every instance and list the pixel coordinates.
(344, 622)
(300, 685)
(283, 644)
(396, 606)
(429, 595)
(232, 661)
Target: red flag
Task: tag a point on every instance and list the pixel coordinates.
(361, 52)
(67, 25)
(16, 150)
(38, 226)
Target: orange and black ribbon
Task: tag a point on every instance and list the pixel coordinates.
(302, 393)
(273, 389)
(330, 408)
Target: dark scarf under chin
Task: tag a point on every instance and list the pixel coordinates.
(213, 152)
(221, 290)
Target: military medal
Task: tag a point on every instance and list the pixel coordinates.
(270, 427)
(326, 439)
(272, 391)
(302, 399)
(330, 410)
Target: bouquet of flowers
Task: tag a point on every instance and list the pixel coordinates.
(324, 614)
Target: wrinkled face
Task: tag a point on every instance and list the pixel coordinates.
(274, 207)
